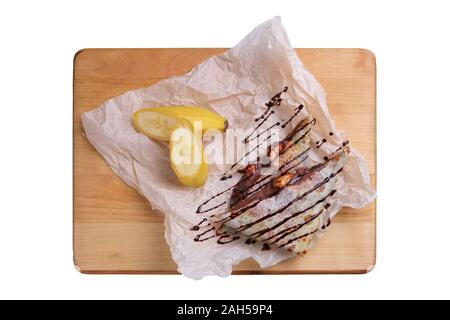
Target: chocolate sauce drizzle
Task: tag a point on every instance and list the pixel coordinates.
(312, 122)
(292, 159)
(320, 143)
(274, 102)
(241, 211)
(298, 109)
(199, 210)
(344, 144)
(198, 238)
(296, 141)
(226, 175)
(250, 241)
(210, 209)
(260, 134)
(231, 239)
(299, 237)
(249, 152)
(248, 225)
(221, 235)
(284, 172)
(230, 236)
(237, 213)
(284, 233)
(249, 191)
(246, 140)
(293, 133)
(264, 231)
(326, 225)
(197, 226)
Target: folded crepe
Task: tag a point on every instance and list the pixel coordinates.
(284, 210)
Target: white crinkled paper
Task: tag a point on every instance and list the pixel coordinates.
(236, 84)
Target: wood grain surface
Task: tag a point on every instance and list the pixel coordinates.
(115, 230)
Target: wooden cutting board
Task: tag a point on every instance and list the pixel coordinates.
(115, 231)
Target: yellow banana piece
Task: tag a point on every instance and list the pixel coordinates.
(209, 119)
(154, 125)
(187, 158)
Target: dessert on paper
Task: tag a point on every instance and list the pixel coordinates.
(274, 209)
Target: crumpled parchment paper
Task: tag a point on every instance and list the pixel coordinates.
(236, 84)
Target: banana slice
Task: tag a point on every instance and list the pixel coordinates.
(208, 119)
(186, 155)
(176, 124)
(154, 124)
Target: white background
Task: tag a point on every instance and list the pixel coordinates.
(38, 40)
